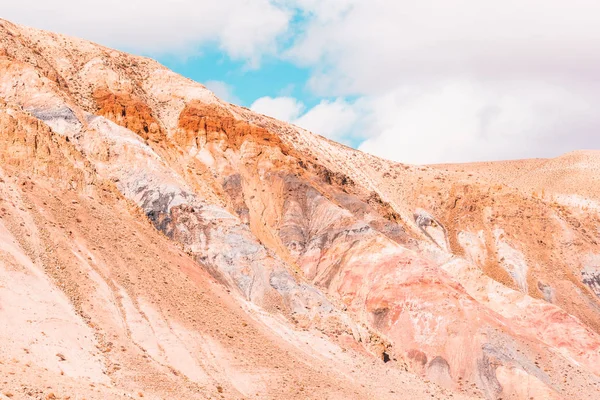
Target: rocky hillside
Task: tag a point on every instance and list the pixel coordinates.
(158, 242)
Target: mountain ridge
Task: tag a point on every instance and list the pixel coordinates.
(456, 275)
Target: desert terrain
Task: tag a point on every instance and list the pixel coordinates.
(157, 242)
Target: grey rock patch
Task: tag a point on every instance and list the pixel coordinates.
(62, 120)
(547, 291)
(64, 113)
(590, 276)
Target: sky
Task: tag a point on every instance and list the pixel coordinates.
(428, 81)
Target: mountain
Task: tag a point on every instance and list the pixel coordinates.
(158, 242)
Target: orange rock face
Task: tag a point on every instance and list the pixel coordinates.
(157, 241)
(129, 112)
(212, 123)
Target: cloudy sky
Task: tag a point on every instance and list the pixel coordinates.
(423, 81)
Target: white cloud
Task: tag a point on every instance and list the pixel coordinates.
(332, 119)
(462, 121)
(244, 29)
(454, 121)
(366, 46)
(283, 108)
(223, 90)
(441, 81)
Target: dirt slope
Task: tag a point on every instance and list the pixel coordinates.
(158, 242)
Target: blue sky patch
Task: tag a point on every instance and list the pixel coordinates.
(273, 77)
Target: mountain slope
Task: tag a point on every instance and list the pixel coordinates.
(194, 244)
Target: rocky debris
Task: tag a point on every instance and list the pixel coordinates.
(591, 277)
(432, 228)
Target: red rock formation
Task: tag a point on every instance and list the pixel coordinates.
(211, 123)
(129, 112)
